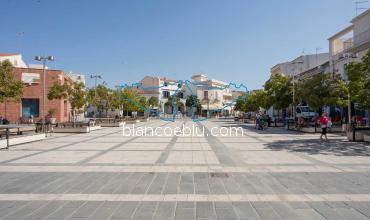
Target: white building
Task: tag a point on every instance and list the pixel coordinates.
(350, 44)
(15, 59)
(213, 94)
(80, 78)
(163, 89)
(300, 64)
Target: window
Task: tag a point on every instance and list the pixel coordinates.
(30, 107)
(166, 94)
(205, 95)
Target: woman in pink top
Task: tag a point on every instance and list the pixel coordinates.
(324, 120)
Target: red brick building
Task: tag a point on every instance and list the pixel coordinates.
(32, 100)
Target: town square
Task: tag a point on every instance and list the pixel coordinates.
(181, 110)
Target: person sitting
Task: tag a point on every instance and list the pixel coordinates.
(5, 121)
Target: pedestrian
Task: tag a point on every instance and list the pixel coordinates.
(256, 121)
(324, 121)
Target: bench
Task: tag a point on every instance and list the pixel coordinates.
(76, 127)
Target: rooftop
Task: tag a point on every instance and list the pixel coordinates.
(8, 54)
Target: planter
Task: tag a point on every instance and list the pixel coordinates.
(359, 136)
(53, 120)
(367, 138)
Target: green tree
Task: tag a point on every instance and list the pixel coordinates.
(320, 90)
(99, 97)
(77, 96)
(143, 104)
(132, 101)
(240, 102)
(279, 92)
(11, 89)
(75, 93)
(256, 99)
(153, 102)
(58, 91)
(193, 101)
(359, 82)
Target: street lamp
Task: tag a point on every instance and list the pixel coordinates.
(44, 59)
(297, 62)
(96, 77)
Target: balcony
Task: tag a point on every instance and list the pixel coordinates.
(361, 38)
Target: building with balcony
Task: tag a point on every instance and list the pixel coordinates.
(215, 96)
(164, 89)
(350, 44)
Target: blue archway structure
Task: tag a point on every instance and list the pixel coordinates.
(180, 84)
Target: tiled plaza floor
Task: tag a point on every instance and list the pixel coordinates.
(272, 174)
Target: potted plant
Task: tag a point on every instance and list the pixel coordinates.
(52, 112)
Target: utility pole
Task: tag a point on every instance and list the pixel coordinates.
(358, 6)
(20, 34)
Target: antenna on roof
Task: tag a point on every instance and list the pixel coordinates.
(20, 35)
(358, 6)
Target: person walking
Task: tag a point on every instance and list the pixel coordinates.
(324, 121)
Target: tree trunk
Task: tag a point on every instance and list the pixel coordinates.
(74, 117)
(5, 102)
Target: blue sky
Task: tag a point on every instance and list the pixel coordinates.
(229, 40)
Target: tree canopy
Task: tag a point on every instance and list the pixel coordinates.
(279, 91)
(10, 87)
(75, 93)
(320, 90)
(359, 82)
(153, 101)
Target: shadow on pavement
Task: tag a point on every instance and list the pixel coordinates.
(315, 146)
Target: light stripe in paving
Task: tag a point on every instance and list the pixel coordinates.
(192, 169)
(190, 197)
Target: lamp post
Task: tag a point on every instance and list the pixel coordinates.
(96, 77)
(44, 59)
(297, 62)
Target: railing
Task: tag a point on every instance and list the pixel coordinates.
(361, 38)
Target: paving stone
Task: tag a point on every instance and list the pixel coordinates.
(245, 210)
(309, 214)
(145, 211)
(125, 210)
(86, 210)
(185, 214)
(265, 211)
(197, 176)
(205, 210)
(104, 211)
(326, 211)
(165, 210)
(226, 214)
(46, 210)
(172, 183)
(11, 212)
(363, 207)
(158, 183)
(143, 184)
